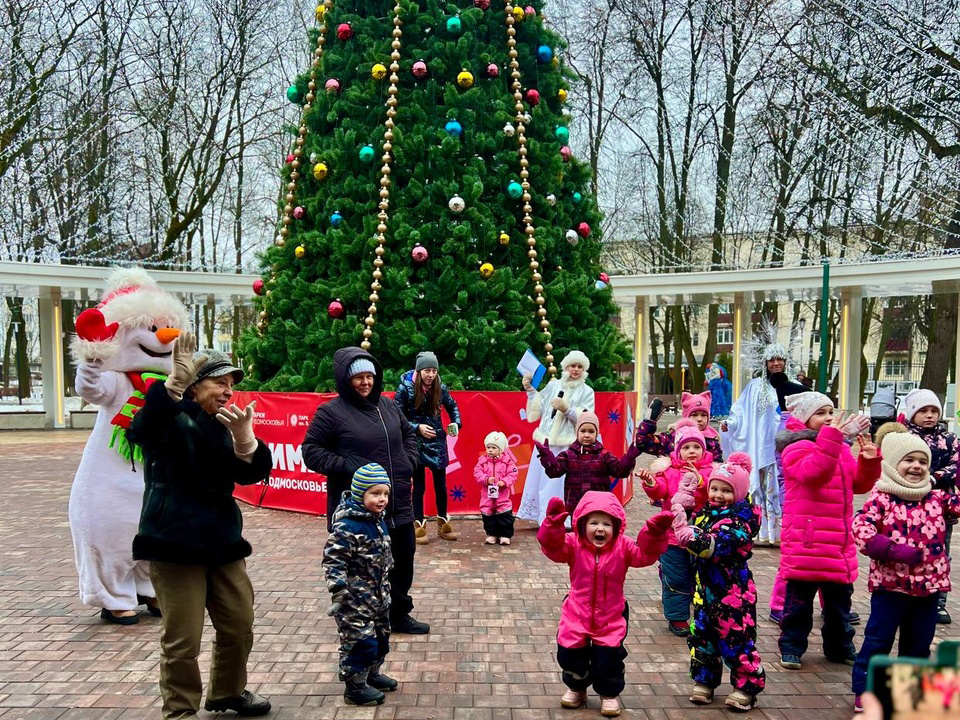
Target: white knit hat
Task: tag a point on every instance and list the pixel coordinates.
(919, 398)
(496, 438)
(803, 405)
(896, 442)
(575, 356)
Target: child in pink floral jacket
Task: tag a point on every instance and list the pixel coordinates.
(496, 471)
(902, 528)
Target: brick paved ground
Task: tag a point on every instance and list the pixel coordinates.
(490, 655)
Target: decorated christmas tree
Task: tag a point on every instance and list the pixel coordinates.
(433, 202)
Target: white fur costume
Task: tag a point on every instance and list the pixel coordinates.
(131, 331)
(560, 430)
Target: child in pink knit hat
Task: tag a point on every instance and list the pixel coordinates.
(720, 540)
(694, 407)
(586, 463)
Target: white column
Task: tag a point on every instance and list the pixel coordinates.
(641, 355)
(51, 357)
(739, 375)
(851, 345)
(956, 374)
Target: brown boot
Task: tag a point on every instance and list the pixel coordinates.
(420, 531)
(445, 529)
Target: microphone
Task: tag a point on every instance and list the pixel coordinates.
(554, 413)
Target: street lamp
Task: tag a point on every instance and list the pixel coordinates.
(803, 345)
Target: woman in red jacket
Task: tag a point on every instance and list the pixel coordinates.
(817, 547)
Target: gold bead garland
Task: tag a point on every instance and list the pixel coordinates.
(529, 229)
(387, 158)
(291, 196)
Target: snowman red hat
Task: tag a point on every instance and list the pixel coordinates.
(135, 319)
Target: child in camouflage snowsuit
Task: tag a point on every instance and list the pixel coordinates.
(356, 560)
(724, 603)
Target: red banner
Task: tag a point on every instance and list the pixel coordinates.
(281, 420)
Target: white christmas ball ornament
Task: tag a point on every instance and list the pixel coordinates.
(509, 130)
(572, 237)
(551, 199)
(456, 204)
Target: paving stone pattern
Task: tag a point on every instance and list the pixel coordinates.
(490, 655)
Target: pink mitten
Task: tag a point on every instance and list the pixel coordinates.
(685, 535)
(685, 492)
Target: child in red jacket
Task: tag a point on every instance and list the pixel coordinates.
(593, 617)
(496, 471)
(902, 528)
(817, 550)
(689, 458)
(586, 464)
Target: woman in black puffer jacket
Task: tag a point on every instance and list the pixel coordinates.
(360, 427)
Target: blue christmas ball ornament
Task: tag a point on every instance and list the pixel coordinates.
(600, 285)
(544, 53)
(366, 154)
(453, 25)
(562, 133)
(336, 220)
(454, 128)
(515, 190)
(577, 197)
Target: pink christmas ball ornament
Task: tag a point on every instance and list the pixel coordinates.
(529, 11)
(419, 69)
(604, 278)
(419, 254)
(583, 230)
(533, 97)
(493, 70)
(566, 153)
(332, 86)
(299, 212)
(344, 31)
(335, 309)
(290, 158)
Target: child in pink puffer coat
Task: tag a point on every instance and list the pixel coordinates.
(817, 551)
(593, 617)
(496, 471)
(689, 457)
(902, 528)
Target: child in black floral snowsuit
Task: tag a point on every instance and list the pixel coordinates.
(724, 603)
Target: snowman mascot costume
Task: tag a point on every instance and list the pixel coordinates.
(121, 347)
(556, 408)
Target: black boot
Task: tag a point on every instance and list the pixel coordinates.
(381, 682)
(409, 626)
(357, 691)
(246, 704)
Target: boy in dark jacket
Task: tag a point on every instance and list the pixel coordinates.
(586, 464)
(196, 448)
(357, 562)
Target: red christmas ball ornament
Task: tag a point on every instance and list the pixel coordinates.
(335, 309)
(533, 97)
(482, 4)
(604, 278)
(566, 153)
(299, 212)
(493, 70)
(583, 230)
(344, 31)
(258, 286)
(332, 85)
(290, 158)
(419, 254)
(419, 69)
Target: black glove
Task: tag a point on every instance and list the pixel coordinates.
(339, 598)
(655, 410)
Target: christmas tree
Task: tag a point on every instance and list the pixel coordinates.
(432, 202)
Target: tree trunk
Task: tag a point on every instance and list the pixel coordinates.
(943, 326)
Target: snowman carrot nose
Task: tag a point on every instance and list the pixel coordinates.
(167, 335)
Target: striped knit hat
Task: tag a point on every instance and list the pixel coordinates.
(366, 477)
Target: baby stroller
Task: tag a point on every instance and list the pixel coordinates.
(883, 409)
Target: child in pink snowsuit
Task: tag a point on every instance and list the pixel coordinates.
(689, 457)
(496, 471)
(817, 549)
(593, 617)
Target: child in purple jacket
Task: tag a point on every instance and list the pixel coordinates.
(902, 528)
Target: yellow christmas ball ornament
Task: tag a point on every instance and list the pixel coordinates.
(562, 95)
(486, 270)
(504, 239)
(518, 14)
(465, 79)
(319, 12)
(379, 71)
(300, 251)
(320, 171)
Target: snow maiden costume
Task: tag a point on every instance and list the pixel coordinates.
(559, 428)
(122, 346)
